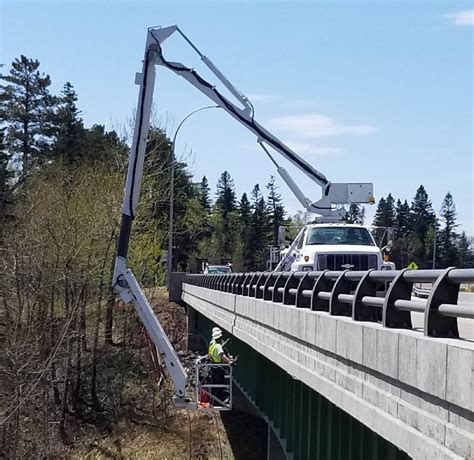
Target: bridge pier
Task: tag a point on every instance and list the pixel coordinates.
(194, 340)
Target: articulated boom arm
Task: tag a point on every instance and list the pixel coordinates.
(332, 193)
(124, 282)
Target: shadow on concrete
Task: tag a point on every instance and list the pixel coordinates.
(247, 435)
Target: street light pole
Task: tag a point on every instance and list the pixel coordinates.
(171, 204)
(434, 245)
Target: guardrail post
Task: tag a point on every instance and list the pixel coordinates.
(366, 287)
(220, 282)
(271, 280)
(291, 283)
(217, 282)
(224, 281)
(341, 286)
(243, 287)
(262, 279)
(306, 283)
(252, 281)
(214, 281)
(235, 283)
(321, 284)
(399, 290)
(279, 283)
(443, 291)
(230, 282)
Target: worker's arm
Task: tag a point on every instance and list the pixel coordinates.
(222, 354)
(226, 359)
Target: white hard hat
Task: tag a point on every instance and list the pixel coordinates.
(216, 333)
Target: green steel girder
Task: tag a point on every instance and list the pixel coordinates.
(308, 425)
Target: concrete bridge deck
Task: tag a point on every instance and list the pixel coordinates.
(416, 392)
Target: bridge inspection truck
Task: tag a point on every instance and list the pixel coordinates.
(334, 246)
(330, 206)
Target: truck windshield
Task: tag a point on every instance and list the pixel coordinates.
(339, 235)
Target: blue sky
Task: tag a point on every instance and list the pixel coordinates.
(366, 91)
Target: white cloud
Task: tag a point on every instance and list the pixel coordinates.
(267, 98)
(308, 148)
(315, 125)
(302, 132)
(462, 18)
(264, 98)
(302, 103)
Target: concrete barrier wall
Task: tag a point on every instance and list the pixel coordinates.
(417, 392)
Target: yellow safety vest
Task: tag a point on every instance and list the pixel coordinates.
(214, 352)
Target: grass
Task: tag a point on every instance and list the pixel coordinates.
(193, 435)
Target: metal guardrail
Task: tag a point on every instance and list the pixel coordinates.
(358, 294)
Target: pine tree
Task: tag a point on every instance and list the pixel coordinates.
(153, 218)
(68, 127)
(379, 213)
(225, 206)
(465, 259)
(245, 232)
(422, 214)
(27, 110)
(259, 231)
(106, 146)
(391, 215)
(385, 213)
(400, 253)
(226, 200)
(244, 210)
(276, 212)
(448, 251)
(205, 198)
(402, 211)
(423, 221)
(5, 175)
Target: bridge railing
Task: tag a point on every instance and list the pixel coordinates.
(373, 295)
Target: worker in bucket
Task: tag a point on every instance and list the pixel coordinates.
(216, 348)
(217, 355)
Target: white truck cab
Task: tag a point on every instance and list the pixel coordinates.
(335, 246)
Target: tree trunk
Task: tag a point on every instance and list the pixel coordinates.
(109, 309)
(95, 399)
